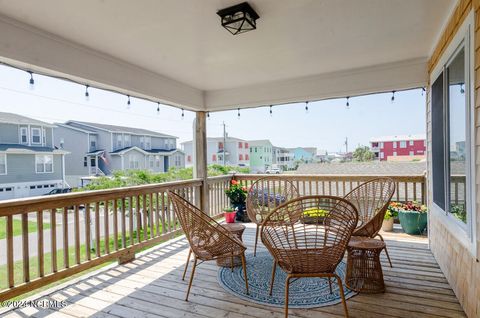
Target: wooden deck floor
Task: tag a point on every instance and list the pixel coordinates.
(151, 286)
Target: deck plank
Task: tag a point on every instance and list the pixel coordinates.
(151, 286)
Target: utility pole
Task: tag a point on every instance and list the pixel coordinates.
(346, 145)
(224, 143)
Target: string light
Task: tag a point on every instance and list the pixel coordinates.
(32, 81)
(271, 112)
(393, 96)
(238, 113)
(87, 95)
(423, 90)
(158, 108)
(348, 102)
(183, 114)
(306, 107)
(208, 115)
(462, 90)
(128, 101)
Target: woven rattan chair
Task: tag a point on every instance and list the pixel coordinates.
(371, 200)
(309, 250)
(264, 195)
(208, 239)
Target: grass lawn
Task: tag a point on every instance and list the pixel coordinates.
(18, 265)
(17, 227)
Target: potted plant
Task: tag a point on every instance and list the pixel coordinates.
(390, 215)
(229, 214)
(413, 217)
(237, 195)
(314, 216)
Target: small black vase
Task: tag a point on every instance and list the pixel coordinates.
(241, 210)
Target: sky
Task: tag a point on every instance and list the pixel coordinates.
(325, 126)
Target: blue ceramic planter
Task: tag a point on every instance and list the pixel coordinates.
(413, 222)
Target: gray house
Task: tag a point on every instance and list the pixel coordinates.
(99, 149)
(29, 163)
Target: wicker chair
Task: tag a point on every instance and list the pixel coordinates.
(264, 195)
(208, 239)
(371, 200)
(309, 250)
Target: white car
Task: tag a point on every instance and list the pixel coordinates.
(273, 171)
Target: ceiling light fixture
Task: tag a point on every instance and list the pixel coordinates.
(239, 18)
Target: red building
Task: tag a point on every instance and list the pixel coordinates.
(399, 147)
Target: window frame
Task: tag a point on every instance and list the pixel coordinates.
(4, 155)
(464, 232)
(39, 135)
(44, 164)
(24, 129)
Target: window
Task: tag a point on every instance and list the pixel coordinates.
(119, 141)
(36, 132)
(214, 157)
(411, 153)
(133, 161)
(152, 162)
(247, 157)
(3, 164)
(220, 146)
(240, 145)
(85, 161)
(178, 161)
(93, 145)
(411, 142)
(93, 162)
(394, 153)
(23, 135)
(403, 144)
(381, 144)
(246, 145)
(127, 139)
(157, 160)
(240, 157)
(148, 142)
(44, 136)
(189, 158)
(394, 144)
(44, 163)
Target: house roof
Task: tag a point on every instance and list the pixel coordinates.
(259, 142)
(209, 139)
(121, 129)
(11, 118)
(84, 130)
(146, 152)
(399, 138)
(16, 148)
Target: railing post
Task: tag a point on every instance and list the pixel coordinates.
(200, 160)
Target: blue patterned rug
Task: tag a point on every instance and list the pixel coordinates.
(304, 292)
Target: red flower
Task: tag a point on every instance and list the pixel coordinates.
(234, 182)
(244, 188)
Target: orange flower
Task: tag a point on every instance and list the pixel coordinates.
(244, 188)
(234, 182)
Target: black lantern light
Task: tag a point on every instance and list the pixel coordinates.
(239, 18)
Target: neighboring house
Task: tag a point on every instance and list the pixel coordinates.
(282, 158)
(402, 146)
(304, 154)
(236, 151)
(261, 155)
(100, 149)
(29, 163)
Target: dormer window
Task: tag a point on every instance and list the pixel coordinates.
(24, 135)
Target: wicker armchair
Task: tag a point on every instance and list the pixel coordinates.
(264, 195)
(371, 200)
(208, 239)
(309, 250)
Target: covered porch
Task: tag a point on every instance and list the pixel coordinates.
(302, 51)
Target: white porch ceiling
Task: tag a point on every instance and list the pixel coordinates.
(176, 51)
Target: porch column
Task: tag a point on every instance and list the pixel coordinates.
(200, 158)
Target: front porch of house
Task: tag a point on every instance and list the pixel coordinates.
(151, 285)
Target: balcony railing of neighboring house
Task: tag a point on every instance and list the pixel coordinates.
(95, 171)
(87, 229)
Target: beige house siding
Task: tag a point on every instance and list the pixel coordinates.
(455, 259)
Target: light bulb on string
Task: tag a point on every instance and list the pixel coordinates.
(238, 113)
(306, 107)
(423, 90)
(271, 112)
(393, 96)
(348, 102)
(87, 95)
(208, 115)
(462, 89)
(158, 108)
(31, 82)
(128, 102)
(183, 114)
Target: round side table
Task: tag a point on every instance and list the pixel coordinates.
(364, 270)
(236, 229)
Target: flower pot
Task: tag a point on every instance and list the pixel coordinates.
(229, 217)
(413, 222)
(387, 225)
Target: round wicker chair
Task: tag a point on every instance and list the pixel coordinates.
(371, 200)
(264, 195)
(309, 250)
(208, 239)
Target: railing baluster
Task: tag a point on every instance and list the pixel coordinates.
(97, 229)
(139, 219)
(406, 191)
(76, 224)
(106, 221)
(66, 260)
(53, 239)
(397, 189)
(41, 261)
(157, 214)
(25, 251)
(151, 212)
(414, 191)
(130, 219)
(10, 269)
(115, 224)
(164, 225)
(124, 225)
(88, 247)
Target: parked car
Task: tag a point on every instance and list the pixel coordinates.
(273, 171)
(59, 191)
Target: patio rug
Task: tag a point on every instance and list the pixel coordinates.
(303, 293)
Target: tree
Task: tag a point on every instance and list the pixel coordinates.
(363, 153)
